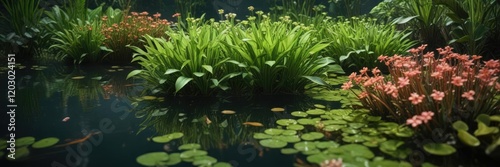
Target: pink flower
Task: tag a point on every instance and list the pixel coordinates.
(363, 71)
(469, 95)
(332, 163)
(414, 121)
(176, 15)
(437, 95)
(426, 116)
(347, 85)
(363, 95)
(403, 81)
(458, 81)
(415, 98)
(437, 75)
(375, 71)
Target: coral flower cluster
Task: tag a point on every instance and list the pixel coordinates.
(130, 29)
(446, 83)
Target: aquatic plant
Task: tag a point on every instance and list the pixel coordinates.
(190, 62)
(283, 61)
(127, 30)
(20, 24)
(357, 42)
(440, 90)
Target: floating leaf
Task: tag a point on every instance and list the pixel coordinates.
(222, 164)
(288, 139)
(274, 131)
(357, 150)
(190, 146)
(273, 143)
(439, 149)
(192, 153)
(289, 132)
(228, 112)
(305, 121)
(173, 159)
(44, 143)
(167, 138)
(21, 153)
(327, 144)
(295, 127)
(204, 160)
(289, 151)
(253, 123)
(319, 106)
(315, 112)
(286, 122)
(467, 138)
(152, 159)
(25, 141)
(330, 128)
(277, 109)
(312, 136)
(305, 145)
(261, 136)
(320, 158)
(311, 152)
(77, 77)
(299, 114)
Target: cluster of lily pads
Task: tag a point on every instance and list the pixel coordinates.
(22, 146)
(188, 153)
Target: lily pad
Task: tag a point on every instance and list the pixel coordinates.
(44, 143)
(168, 137)
(273, 131)
(273, 143)
(330, 128)
(320, 158)
(311, 152)
(277, 109)
(305, 145)
(312, 136)
(222, 164)
(299, 114)
(305, 121)
(353, 139)
(295, 127)
(173, 159)
(289, 132)
(25, 141)
(439, 149)
(315, 112)
(327, 144)
(289, 151)
(152, 159)
(357, 150)
(204, 160)
(319, 106)
(467, 138)
(286, 122)
(190, 146)
(261, 136)
(192, 153)
(21, 152)
(288, 139)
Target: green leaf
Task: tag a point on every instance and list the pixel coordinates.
(460, 125)
(171, 71)
(198, 74)
(483, 129)
(44, 143)
(484, 119)
(439, 149)
(335, 68)
(316, 80)
(467, 138)
(403, 20)
(208, 68)
(133, 73)
(270, 63)
(181, 82)
(152, 159)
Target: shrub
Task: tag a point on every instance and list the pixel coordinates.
(358, 42)
(128, 31)
(421, 87)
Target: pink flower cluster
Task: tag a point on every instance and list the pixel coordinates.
(416, 120)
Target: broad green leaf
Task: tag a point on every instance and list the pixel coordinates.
(467, 138)
(208, 68)
(133, 73)
(439, 149)
(171, 71)
(316, 80)
(181, 82)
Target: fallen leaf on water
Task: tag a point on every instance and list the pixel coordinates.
(253, 123)
(228, 112)
(78, 77)
(277, 109)
(207, 120)
(65, 119)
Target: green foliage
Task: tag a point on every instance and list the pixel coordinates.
(190, 61)
(471, 22)
(82, 43)
(357, 42)
(222, 55)
(347, 8)
(20, 23)
(388, 10)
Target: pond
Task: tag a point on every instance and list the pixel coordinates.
(102, 119)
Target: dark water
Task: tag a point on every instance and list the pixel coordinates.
(45, 95)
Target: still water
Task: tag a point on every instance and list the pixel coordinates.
(103, 109)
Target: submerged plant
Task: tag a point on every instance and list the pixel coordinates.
(430, 90)
(128, 31)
